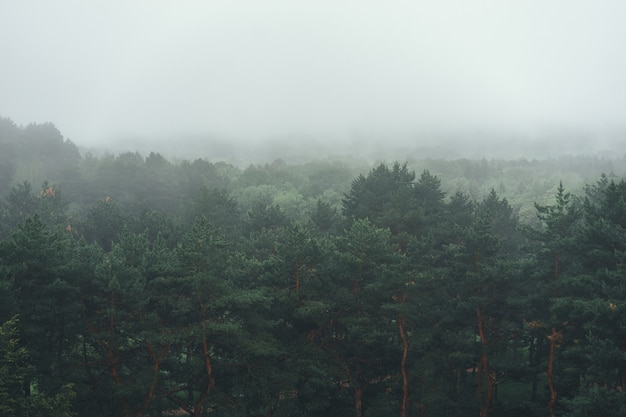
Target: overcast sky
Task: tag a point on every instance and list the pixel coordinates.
(104, 69)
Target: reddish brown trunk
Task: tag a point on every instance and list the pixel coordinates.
(491, 385)
(553, 341)
(403, 371)
(358, 401)
(208, 366)
(483, 370)
(112, 362)
(156, 367)
(554, 337)
(271, 408)
(358, 392)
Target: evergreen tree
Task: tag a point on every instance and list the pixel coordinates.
(19, 205)
(592, 303)
(103, 223)
(555, 261)
(351, 330)
(382, 191)
(15, 372)
(39, 267)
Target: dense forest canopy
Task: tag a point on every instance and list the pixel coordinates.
(133, 285)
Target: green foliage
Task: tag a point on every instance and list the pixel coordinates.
(103, 223)
(595, 400)
(218, 208)
(15, 374)
(154, 288)
(15, 370)
(325, 217)
(263, 216)
(370, 196)
(19, 205)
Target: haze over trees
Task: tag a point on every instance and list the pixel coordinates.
(132, 285)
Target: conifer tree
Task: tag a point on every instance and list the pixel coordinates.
(16, 371)
(555, 260)
(39, 267)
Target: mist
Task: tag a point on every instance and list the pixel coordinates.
(524, 77)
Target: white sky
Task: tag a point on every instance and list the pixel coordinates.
(101, 69)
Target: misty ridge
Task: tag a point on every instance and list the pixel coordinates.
(504, 144)
(523, 169)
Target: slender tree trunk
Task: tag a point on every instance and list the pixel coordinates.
(553, 341)
(483, 370)
(271, 407)
(403, 371)
(112, 363)
(156, 367)
(554, 337)
(358, 392)
(358, 401)
(208, 367)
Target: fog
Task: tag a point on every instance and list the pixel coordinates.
(181, 75)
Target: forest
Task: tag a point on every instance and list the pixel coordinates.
(135, 285)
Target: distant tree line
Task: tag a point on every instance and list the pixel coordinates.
(133, 286)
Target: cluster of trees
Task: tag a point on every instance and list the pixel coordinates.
(134, 286)
(407, 301)
(38, 153)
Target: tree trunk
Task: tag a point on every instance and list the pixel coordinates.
(483, 370)
(156, 367)
(208, 367)
(554, 337)
(553, 340)
(403, 371)
(358, 401)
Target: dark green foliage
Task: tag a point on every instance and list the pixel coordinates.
(218, 208)
(39, 268)
(263, 216)
(428, 193)
(15, 374)
(198, 288)
(597, 401)
(15, 371)
(103, 223)
(371, 196)
(19, 205)
(325, 217)
(390, 198)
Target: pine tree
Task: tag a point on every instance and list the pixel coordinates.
(16, 371)
(555, 260)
